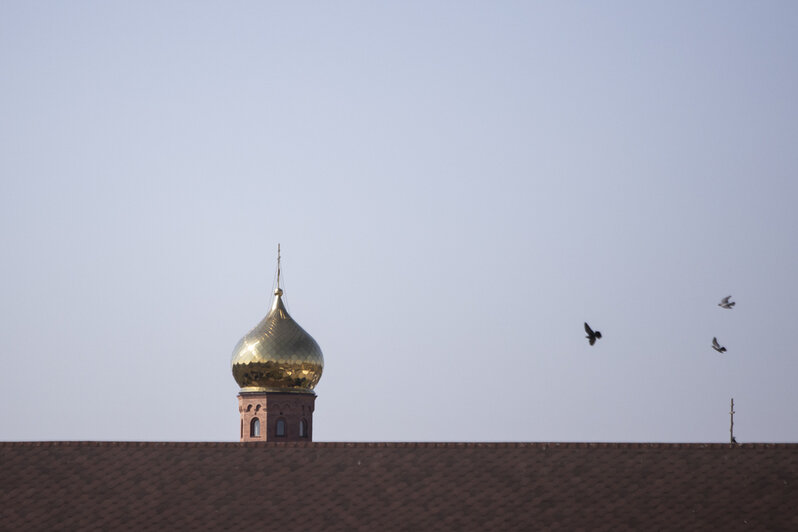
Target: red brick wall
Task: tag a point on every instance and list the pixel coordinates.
(268, 407)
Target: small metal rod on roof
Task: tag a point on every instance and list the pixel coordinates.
(731, 427)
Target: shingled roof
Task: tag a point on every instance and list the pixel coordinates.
(397, 486)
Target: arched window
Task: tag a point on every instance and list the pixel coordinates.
(303, 428)
(279, 429)
(254, 428)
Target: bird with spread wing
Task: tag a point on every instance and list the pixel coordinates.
(591, 335)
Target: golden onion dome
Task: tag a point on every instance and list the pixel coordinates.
(277, 355)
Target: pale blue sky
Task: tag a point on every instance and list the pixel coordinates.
(457, 187)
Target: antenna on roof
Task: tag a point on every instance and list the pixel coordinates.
(731, 427)
(278, 265)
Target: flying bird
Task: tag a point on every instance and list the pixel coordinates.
(717, 347)
(725, 303)
(591, 335)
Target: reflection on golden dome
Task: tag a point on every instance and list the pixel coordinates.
(277, 355)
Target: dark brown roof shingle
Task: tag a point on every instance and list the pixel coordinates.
(397, 486)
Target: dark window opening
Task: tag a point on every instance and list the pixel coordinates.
(280, 428)
(254, 428)
(303, 428)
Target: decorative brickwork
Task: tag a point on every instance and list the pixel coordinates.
(294, 410)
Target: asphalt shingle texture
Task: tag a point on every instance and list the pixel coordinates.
(397, 486)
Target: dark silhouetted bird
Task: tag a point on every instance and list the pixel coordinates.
(717, 347)
(734, 440)
(591, 336)
(725, 303)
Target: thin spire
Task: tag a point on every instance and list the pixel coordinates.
(278, 291)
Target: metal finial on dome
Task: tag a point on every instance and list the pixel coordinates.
(278, 291)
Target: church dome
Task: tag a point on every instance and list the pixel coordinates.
(277, 355)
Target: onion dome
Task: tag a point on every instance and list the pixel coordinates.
(277, 355)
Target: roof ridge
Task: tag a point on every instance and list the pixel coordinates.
(427, 444)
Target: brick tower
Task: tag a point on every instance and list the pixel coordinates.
(277, 365)
(276, 416)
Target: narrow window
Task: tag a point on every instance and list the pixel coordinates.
(280, 428)
(303, 428)
(254, 428)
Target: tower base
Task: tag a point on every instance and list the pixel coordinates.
(276, 416)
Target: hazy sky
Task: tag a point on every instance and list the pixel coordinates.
(457, 187)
